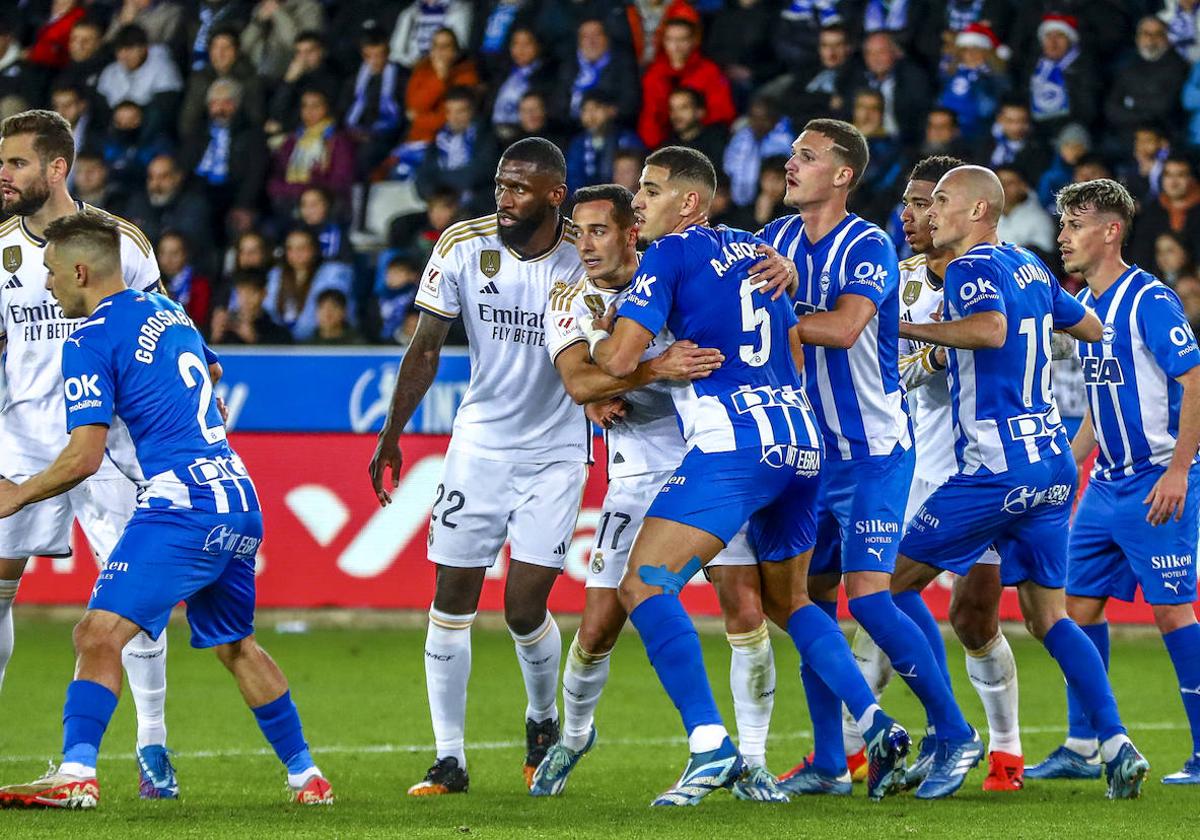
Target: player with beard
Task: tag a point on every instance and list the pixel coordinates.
(36, 154)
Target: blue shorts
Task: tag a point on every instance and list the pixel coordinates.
(168, 556)
(1024, 513)
(1113, 549)
(772, 491)
(860, 515)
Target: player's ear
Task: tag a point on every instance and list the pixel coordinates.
(558, 195)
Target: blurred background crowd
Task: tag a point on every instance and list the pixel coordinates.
(294, 161)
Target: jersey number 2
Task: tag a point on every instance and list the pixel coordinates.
(195, 373)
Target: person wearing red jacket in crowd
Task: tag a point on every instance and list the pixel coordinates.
(49, 47)
(680, 64)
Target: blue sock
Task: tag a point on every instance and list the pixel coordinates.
(825, 709)
(904, 643)
(1083, 667)
(280, 722)
(673, 647)
(86, 714)
(1079, 725)
(821, 644)
(1184, 647)
(913, 605)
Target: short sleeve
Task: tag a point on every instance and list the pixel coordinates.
(652, 292)
(1067, 310)
(562, 318)
(88, 384)
(872, 269)
(437, 292)
(972, 286)
(210, 358)
(138, 263)
(1166, 331)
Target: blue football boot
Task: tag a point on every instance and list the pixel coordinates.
(887, 746)
(1189, 775)
(551, 775)
(913, 776)
(810, 780)
(758, 784)
(1126, 773)
(156, 775)
(1065, 764)
(951, 763)
(705, 773)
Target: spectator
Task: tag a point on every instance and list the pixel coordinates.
(1147, 90)
(462, 156)
(88, 57)
(533, 120)
(309, 69)
(971, 84)
(293, 286)
(15, 80)
(1188, 289)
(942, 135)
(653, 17)
(1177, 209)
(1090, 167)
(359, 16)
(1182, 18)
(559, 25)
(91, 182)
(1172, 258)
(166, 203)
(1024, 220)
(163, 21)
(209, 17)
(225, 61)
(1013, 143)
(418, 25)
(1144, 173)
(825, 90)
(738, 39)
(315, 210)
(145, 74)
(1063, 83)
(798, 31)
(269, 35)
(249, 322)
(333, 326)
(686, 111)
(251, 250)
(680, 64)
(186, 285)
(723, 211)
(497, 23)
(528, 71)
(904, 86)
(128, 147)
(590, 154)
(768, 204)
(49, 50)
(396, 292)
(444, 68)
(77, 110)
(1190, 99)
(1072, 143)
(372, 102)
(880, 186)
(315, 154)
(627, 168)
(417, 233)
(597, 66)
(764, 133)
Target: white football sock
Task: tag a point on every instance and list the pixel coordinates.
(145, 663)
(752, 681)
(540, 653)
(447, 669)
(583, 681)
(877, 670)
(993, 671)
(296, 780)
(1085, 747)
(706, 738)
(1112, 746)
(8, 591)
(79, 771)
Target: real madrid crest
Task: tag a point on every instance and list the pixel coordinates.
(595, 305)
(12, 258)
(597, 562)
(912, 291)
(489, 262)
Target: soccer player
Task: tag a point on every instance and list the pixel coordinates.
(138, 382)
(1138, 520)
(1016, 477)
(849, 310)
(975, 600)
(753, 455)
(519, 452)
(36, 154)
(644, 449)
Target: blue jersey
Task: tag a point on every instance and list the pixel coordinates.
(1004, 411)
(1130, 374)
(138, 366)
(696, 283)
(855, 393)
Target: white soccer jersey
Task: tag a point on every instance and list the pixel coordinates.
(921, 303)
(33, 419)
(515, 408)
(649, 439)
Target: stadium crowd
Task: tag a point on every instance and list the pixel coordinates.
(246, 138)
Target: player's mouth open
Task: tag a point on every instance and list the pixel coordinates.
(506, 220)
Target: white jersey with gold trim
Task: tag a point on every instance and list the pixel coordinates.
(33, 418)
(649, 439)
(515, 408)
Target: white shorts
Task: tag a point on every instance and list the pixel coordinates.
(920, 490)
(625, 507)
(479, 503)
(102, 505)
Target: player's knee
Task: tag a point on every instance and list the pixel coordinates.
(974, 625)
(92, 638)
(524, 618)
(598, 640)
(1172, 617)
(231, 654)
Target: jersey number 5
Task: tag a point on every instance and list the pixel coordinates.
(195, 373)
(754, 320)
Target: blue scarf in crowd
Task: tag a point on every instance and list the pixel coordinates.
(1048, 95)
(454, 150)
(820, 12)
(389, 111)
(586, 79)
(214, 166)
(885, 16)
(962, 13)
(970, 93)
(1006, 150)
(181, 286)
(508, 97)
(431, 16)
(495, 33)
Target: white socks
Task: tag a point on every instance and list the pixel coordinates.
(706, 738)
(752, 681)
(8, 591)
(877, 670)
(1112, 746)
(583, 681)
(145, 663)
(1085, 747)
(540, 653)
(447, 669)
(993, 672)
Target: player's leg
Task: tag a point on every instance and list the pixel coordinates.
(1181, 635)
(877, 671)
(10, 578)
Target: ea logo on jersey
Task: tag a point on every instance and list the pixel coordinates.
(1109, 334)
(78, 387)
(642, 284)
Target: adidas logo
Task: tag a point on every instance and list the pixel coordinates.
(489, 289)
(14, 283)
(560, 549)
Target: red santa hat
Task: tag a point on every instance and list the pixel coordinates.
(977, 35)
(1066, 24)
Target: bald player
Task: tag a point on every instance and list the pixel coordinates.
(1016, 474)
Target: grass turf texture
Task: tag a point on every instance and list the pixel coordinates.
(361, 695)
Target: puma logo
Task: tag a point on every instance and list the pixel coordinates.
(877, 553)
(1172, 585)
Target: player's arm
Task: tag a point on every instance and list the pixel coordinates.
(1168, 497)
(841, 326)
(1088, 328)
(617, 348)
(78, 461)
(618, 353)
(586, 382)
(919, 367)
(982, 330)
(1084, 442)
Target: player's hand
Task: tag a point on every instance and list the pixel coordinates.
(387, 456)
(605, 322)
(606, 414)
(940, 358)
(685, 361)
(775, 273)
(1167, 497)
(9, 503)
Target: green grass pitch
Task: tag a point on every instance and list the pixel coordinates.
(361, 694)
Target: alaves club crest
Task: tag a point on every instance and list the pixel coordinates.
(489, 262)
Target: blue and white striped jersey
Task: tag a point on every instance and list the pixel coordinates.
(855, 393)
(696, 283)
(1005, 416)
(1130, 374)
(138, 366)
